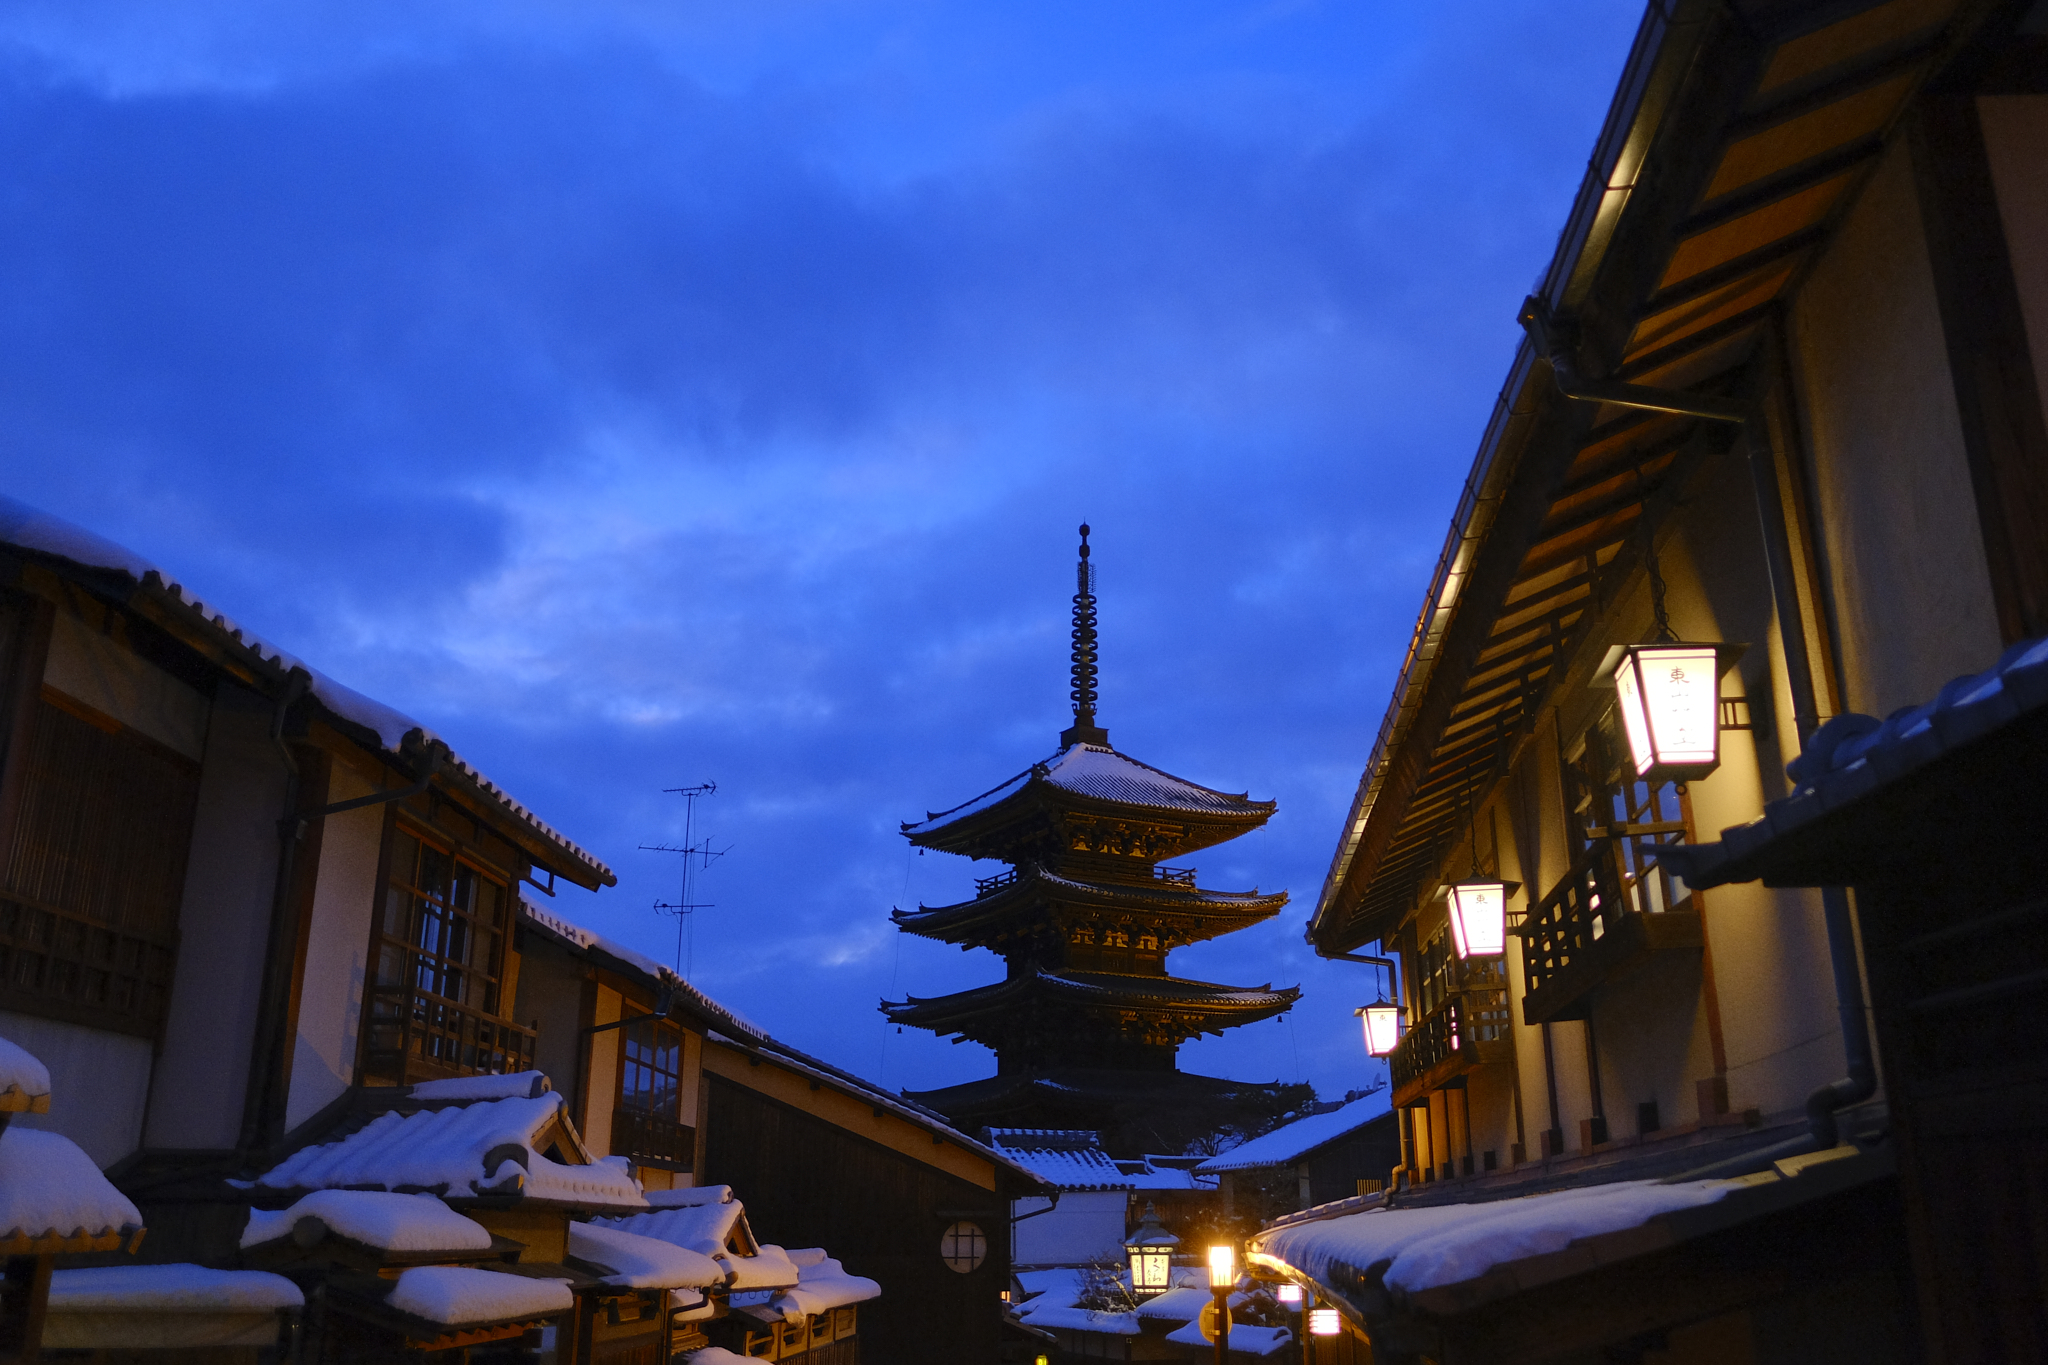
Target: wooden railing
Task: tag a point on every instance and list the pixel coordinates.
(415, 1035)
(984, 885)
(652, 1140)
(1453, 1038)
(1593, 923)
(1175, 876)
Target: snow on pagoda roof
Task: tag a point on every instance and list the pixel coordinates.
(445, 1150)
(32, 529)
(24, 1081)
(1099, 772)
(49, 1188)
(1291, 1142)
(1069, 1158)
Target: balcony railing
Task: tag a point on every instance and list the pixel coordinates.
(418, 1036)
(653, 1140)
(1595, 924)
(1175, 876)
(984, 885)
(1468, 1030)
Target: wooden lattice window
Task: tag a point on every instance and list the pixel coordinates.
(1610, 802)
(651, 1080)
(443, 926)
(95, 862)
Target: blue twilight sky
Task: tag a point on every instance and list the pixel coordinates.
(646, 394)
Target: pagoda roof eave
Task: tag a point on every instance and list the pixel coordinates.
(1089, 779)
(1104, 989)
(1034, 887)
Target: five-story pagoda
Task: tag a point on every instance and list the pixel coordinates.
(1086, 1023)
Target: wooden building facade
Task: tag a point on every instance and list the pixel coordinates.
(1780, 389)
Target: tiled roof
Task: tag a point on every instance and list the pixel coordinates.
(1853, 756)
(1101, 773)
(1033, 881)
(1291, 1143)
(1109, 988)
(1069, 1158)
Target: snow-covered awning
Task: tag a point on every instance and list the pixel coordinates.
(372, 722)
(822, 1285)
(165, 1307)
(54, 1200)
(710, 1221)
(24, 1081)
(1245, 1338)
(463, 1296)
(411, 1223)
(633, 1261)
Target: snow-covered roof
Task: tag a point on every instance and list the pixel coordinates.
(458, 1151)
(1292, 1142)
(1185, 1302)
(389, 1222)
(24, 1081)
(822, 1285)
(461, 1296)
(28, 528)
(705, 1224)
(636, 1262)
(1450, 1243)
(1097, 771)
(174, 1288)
(1052, 1316)
(1853, 755)
(1069, 1158)
(519, 1085)
(1245, 1338)
(49, 1188)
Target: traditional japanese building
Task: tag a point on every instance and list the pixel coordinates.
(1087, 1021)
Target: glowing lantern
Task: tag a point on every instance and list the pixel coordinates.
(1289, 1295)
(1479, 911)
(1382, 1027)
(1222, 1267)
(1670, 701)
(1325, 1322)
(1151, 1252)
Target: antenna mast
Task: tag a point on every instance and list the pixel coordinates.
(697, 856)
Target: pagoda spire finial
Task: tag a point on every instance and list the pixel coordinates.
(1084, 729)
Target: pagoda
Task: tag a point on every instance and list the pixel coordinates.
(1086, 1022)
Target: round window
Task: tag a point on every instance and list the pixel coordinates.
(963, 1247)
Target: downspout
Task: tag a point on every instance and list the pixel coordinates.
(263, 1109)
(1822, 1106)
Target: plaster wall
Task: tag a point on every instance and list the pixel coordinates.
(98, 1083)
(1896, 515)
(1086, 1226)
(337, 951)
(202, 1075)
(602, 1092)
(2016, 143)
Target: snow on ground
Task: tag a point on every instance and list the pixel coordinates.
(638, 1262)
(21, 1071)
(822, 1285)
(392, 1222)
(49, 1185)
(170, 1289)
(444, 1149)
(716, 1355)
(520, 1085)
(455, 1295)
(1432, 1247)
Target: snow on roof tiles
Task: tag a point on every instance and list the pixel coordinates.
(821, 1286)
(637, 1262)
(1071, 1159)
(520, 1085)
(29, 528)
(23, 1078)
(390, 1222)
(1296, 1140)
(174, 1288)
(1451, 1243)
(1245, 1338)
(445, 1150)
(1102, 773)
(460, 1296)
(50, 1187)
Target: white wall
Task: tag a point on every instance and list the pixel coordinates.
(107, 676)
(1088, 1225)
(223, 927)
(98, 1081)
(337, 952)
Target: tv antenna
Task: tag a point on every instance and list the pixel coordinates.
(697, 856)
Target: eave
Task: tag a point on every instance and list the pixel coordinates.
(1734, 145)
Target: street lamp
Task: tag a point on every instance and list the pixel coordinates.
(1151, 1252)
(1289, 1295)
(1382, 1027)
(1222, 1278)
(1669, 693)
(1479, 917)
(1325, 1322)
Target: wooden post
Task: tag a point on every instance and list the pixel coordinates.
(25, 1294)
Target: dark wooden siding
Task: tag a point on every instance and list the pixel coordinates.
(807, 1182)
